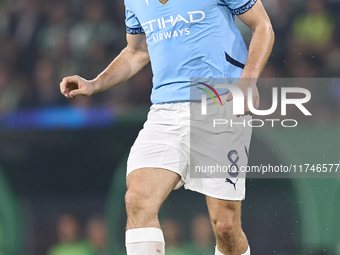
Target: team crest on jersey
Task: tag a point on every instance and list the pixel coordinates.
(163, 1)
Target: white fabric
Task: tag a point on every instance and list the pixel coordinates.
(142, 241)
(247, 252)
(145, 248)
(178, 138)
(138, 235)
(217, 252)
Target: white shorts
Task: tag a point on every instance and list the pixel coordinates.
(183, 141)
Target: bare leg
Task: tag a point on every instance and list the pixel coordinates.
(147, 190)
(226, 221)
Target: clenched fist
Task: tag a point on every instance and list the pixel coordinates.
(73, 86)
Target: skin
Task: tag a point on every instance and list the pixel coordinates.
(149, 187)
(259, 51)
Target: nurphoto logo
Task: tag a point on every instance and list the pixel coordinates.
(238, 104)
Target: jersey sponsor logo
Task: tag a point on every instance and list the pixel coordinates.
(156, 25)
(172, 20)
(171, 34)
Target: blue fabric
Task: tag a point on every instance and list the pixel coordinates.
(188, 39)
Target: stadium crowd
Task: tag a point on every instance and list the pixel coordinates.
(73, 238)
(43, 41)
(70, 237)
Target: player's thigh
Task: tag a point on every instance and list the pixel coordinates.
(225, 213)
(150, 186)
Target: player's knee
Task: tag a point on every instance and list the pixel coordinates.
(136, 203)
(133, 201)
(225, 229)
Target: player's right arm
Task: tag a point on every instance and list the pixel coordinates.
(131, 60)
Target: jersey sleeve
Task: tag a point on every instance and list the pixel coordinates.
(238, 7)
(132, 23)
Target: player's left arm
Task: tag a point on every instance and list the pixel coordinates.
(259, 50)
(262, 41)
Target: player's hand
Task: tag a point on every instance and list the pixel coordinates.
(244, 84)
(73, 86)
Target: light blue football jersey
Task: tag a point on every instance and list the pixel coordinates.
(188, 39)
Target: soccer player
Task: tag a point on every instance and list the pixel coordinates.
(183, 39)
